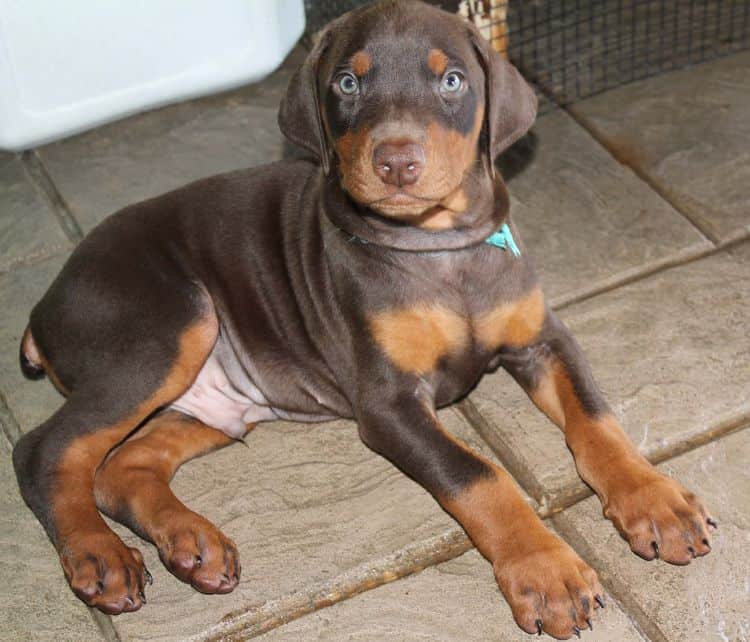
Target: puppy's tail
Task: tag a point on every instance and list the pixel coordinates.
(29, 358)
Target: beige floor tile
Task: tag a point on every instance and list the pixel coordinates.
(689, 129)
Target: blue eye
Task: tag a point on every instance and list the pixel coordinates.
(451, 82)
(348, 84)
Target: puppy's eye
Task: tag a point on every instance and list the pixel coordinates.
(348, 84)
(451, 83)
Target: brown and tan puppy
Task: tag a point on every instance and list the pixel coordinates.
(358, 285)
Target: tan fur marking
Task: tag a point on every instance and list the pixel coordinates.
(546, 395)
(603, 452)
(515, 324)
(361, 63)
(415, 339)
(29, 348)
(483, 509)
(437, 218)
(437, 61)
(443, 216)
(456, 201)
(34, 354)
(137, 473)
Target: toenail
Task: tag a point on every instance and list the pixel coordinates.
(655, 546)
(198, 561)
(577, 631)
(591, 626)
(100, 587)
(149, 577)
(539, 627)
(600, 600)
(142, 597)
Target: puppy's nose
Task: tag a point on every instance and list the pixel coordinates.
(398, 163)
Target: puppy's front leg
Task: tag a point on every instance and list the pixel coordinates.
(546, 584)
(655, 514)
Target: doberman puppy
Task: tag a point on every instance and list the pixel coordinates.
(377, 282)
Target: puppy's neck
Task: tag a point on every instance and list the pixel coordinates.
(466, 217)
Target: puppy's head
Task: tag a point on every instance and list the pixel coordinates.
(405, 101)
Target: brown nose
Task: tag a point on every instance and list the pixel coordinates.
(398, 163)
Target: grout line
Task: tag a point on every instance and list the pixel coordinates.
(727, 424)
(614, 585)
(40, 177)
(105, 625)
(34, 258)
(8, 422)
(685, 257)
(623, 157)
(256, 620)
(633, 275)
(511, 462)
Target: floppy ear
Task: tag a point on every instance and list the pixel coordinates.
(299, 113)
(510, 103)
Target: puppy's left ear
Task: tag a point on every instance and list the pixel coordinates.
(510, 103)
(299, 113)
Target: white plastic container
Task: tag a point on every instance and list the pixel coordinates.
(68, 65)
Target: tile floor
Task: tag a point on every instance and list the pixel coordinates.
(637, 208)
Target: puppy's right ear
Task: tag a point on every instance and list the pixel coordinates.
(299, 114)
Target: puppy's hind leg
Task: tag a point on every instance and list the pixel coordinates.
(132, 486)
(56, 463)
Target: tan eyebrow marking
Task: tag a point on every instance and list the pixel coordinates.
(437, 61)
(361, 63)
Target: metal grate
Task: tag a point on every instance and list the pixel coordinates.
(572, 49)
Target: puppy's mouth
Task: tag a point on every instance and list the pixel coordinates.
(411, 208)
(402, 204)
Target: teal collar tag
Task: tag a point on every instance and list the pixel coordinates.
(503, 239)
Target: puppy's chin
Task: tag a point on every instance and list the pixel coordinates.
(402, 207)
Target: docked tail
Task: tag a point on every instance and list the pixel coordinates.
(29, 359)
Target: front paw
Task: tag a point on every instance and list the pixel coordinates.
(548, 587)
(659, 518)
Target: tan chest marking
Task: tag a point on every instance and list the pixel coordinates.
(516, 323)
(416, 338)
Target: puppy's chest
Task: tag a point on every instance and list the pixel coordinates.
(456, 324)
